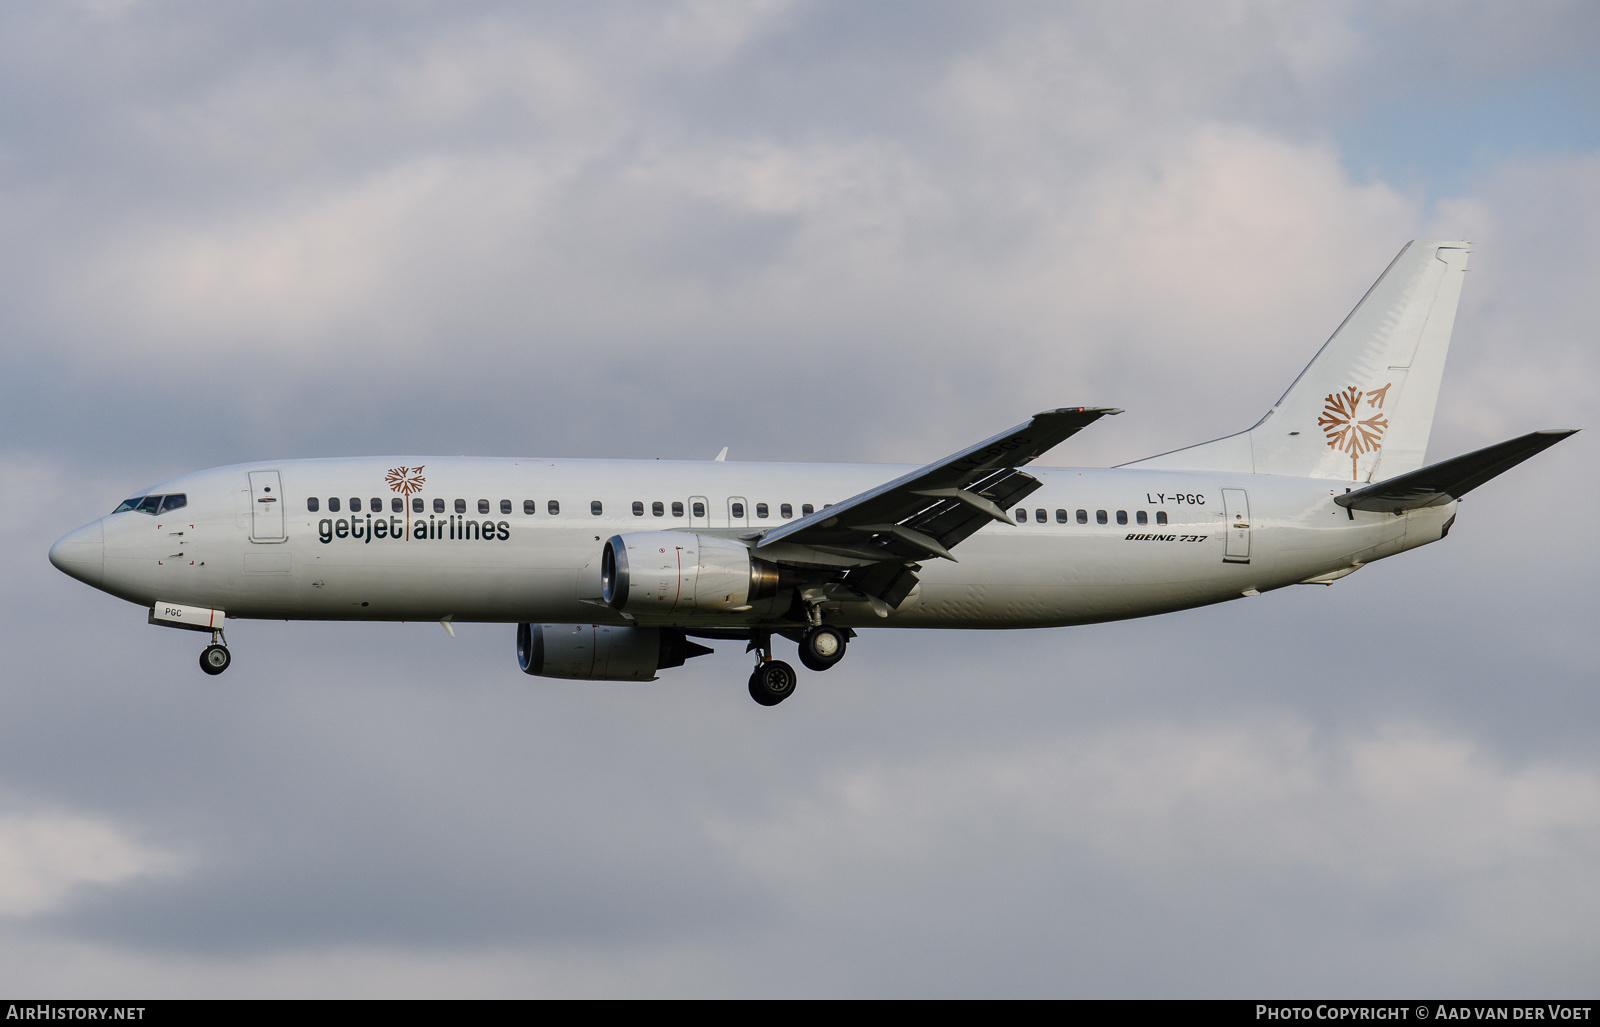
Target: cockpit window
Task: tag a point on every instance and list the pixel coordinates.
(153, 504)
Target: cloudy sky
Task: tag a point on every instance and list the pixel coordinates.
(803, 230)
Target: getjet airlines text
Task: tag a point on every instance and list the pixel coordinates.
(451, 528)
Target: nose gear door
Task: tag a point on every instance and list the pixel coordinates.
(266, 507)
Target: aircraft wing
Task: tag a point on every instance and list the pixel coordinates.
(1450, 479)
(925, 513)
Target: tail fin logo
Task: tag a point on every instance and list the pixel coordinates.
(1345, 428)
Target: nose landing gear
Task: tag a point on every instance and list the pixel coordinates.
(214, 658)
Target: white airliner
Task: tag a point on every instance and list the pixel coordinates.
(610, 567)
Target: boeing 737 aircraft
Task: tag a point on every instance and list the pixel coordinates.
(611, 568)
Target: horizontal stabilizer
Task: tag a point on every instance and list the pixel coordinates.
(1451, 479)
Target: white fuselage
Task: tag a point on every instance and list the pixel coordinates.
(544, 567)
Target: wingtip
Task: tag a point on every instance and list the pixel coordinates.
(1102, 411)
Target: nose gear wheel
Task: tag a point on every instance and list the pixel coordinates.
(214, 659)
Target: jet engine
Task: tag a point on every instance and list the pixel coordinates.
(598, 652)
(661, 573)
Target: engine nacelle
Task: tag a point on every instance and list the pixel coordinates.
(599, 652)
(662, 573)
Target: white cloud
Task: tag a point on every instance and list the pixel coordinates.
(1112, 860)
(47, 859)
(1184, 831)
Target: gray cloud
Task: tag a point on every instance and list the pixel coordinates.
(805, 231)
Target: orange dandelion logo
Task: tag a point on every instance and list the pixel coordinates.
(1347, 430)
(406, 480)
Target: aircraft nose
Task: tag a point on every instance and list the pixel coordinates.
(82, 554)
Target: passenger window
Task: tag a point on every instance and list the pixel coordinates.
(377, 505)
(657, 510)
(333, 504)
(438, 506)
(806, 509)
(461, 506)
(738, 510)
(677, 509)
(1122, 517)
(149, 504)
(1040, 516)
(355, 504)
(1022, 515)
(312, 504)
(177, 502)
(761, 510)
(1061, 517)
(397, 505)
(528, 507)
(416, 504)
(505, 506)
(594, 507)
(699, 509)
(1083, 517)
(483, 506)
(554, 506)
(1099, 516)
(1142, 517)
(786, 511)
(638, 508)
(1161, 517)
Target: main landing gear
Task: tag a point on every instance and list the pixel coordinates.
(773, 681)
(214, 658)
(821, 647)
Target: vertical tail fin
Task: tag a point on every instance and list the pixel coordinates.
(1362, 409)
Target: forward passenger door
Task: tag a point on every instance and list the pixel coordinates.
(266, 507)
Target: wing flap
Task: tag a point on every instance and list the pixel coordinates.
(977, 469)
(925, 513)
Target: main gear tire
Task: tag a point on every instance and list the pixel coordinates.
(772, 683)
(821, 647)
